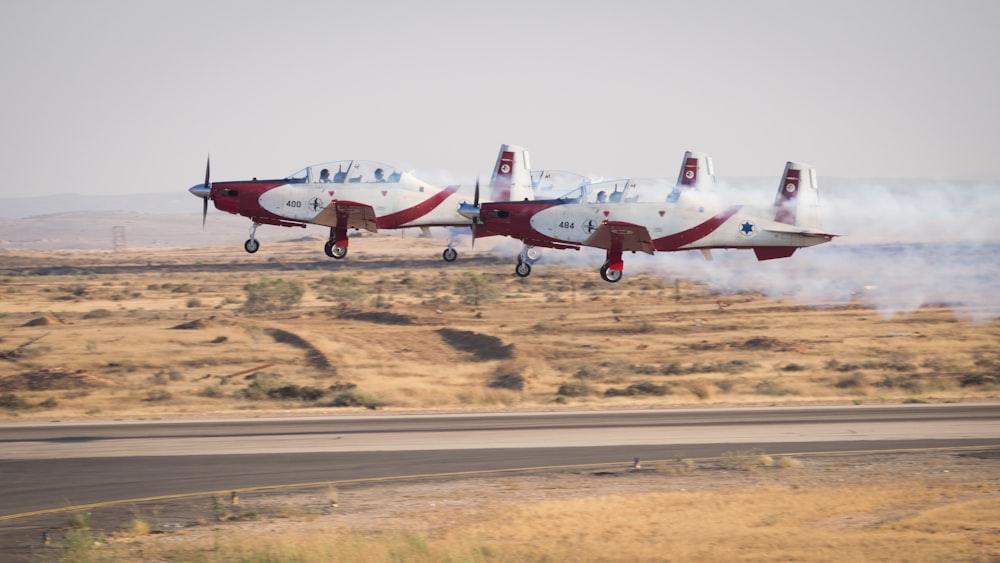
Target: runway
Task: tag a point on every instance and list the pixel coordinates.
(54, 466)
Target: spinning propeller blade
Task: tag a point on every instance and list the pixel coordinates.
(208, 184)
(475, 220)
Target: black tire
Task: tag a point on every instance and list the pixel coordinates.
(449, 254)
(609, 275)
(328, 248)
(338, 252)
(523, 269)
(251, 245)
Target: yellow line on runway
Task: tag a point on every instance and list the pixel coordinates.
(447, 474)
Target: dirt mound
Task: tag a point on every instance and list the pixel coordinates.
(53, 379)
(199, 324)
(481, 346)
(42, 321)
(315, 358)
(378, 317)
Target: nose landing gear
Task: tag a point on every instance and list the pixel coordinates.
(252, 245)
(527, 257)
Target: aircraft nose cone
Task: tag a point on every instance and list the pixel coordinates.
(201, 190)
(468, 210)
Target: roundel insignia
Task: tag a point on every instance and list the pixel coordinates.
(748, 229)
(689, 174)
(505, 168)
(790, 187)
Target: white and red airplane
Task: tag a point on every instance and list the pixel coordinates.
(360, 194)
(642, 215)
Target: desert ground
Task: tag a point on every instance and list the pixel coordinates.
(166, 333)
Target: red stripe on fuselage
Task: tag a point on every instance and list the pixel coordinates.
(410, 214)
(698, 232)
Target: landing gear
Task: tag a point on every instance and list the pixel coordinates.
(251, 245)
(523, 269)
(334, 251)
(611, 271)
(525, 259)
(449, 254)
(610, 275)
(336, 245)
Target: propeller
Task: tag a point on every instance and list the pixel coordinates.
(208, 184)
(475, 220)
(204, 191)
(471, 212)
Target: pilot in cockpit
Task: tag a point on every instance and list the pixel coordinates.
(379, 175)
(602, 196)
(324, 176)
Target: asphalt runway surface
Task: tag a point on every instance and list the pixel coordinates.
(55, 465)
(49, 469)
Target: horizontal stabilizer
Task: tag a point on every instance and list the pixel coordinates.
(773, 252)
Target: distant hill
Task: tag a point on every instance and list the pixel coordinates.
(163, 202)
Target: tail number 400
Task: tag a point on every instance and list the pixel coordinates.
(293, 203)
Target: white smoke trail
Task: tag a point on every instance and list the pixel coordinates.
(904, 245)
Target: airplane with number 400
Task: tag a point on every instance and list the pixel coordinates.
(360, 194)
(640, 215)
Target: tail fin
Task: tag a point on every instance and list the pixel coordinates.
(697, 172)
(797, 202)
(512, 175)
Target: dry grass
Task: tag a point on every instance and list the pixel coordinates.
(878, 510)
(402, 336)
(822, 523)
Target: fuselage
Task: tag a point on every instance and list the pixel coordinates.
(686, 223)
(402, 200)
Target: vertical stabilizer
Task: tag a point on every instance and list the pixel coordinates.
(512, 175)
(797, 202)
(697, 172)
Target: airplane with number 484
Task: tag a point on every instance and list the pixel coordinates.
(641, 215)
(358, 194)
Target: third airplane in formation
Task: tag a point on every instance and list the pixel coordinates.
(358, 194)
(644, 215)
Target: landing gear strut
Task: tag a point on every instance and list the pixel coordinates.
(251, 245)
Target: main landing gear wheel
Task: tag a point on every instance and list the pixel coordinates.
(251, 245)
(523, 269)
(609, 275)
(334, 251)
(449, 254)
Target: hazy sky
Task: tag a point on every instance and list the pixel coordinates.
(111, 97)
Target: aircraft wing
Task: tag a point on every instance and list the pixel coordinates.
(619, 235)
(348, 215)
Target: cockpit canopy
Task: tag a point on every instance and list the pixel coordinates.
(548, 183)
(624, 191)
(346, 172)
